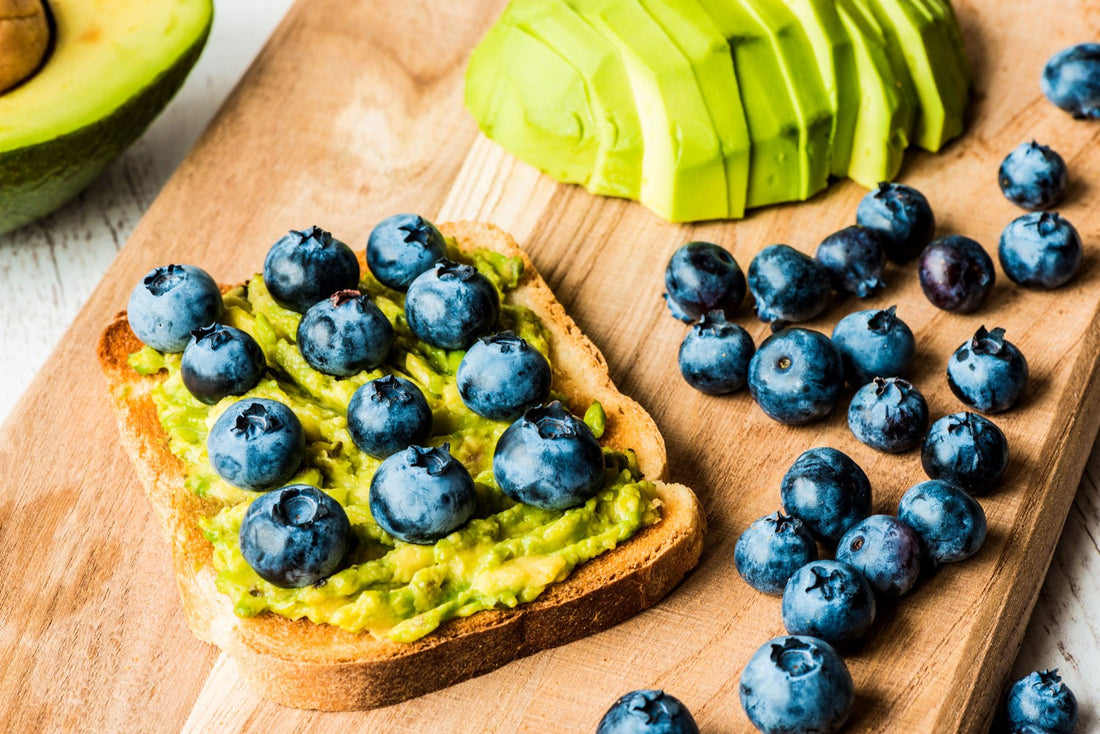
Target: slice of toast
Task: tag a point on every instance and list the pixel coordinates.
(307, 665)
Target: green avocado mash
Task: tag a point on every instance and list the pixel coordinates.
(507, 554)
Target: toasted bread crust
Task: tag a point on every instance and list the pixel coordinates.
(306, 665)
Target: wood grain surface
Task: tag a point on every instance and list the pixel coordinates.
(91, 635)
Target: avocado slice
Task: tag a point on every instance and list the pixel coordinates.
(886, 104)
(837, 63)
(111, 70)
(931, 56)
(683, 170)
(535, 105)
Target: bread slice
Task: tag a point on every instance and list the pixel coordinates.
(307, 665)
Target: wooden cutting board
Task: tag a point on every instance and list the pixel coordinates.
(352, 112)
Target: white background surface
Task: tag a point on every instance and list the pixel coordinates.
(48, 269)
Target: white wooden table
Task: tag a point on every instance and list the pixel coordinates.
(48, 269)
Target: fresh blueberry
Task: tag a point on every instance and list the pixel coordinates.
(854, 258)
(988, 372)
(1040, 250)
(1033, 176)
(1042, 700)
(256, 444)
(788, 286)
(548, 458)
(874, 343)
(647, 712)
(714, 356)
(344, 334)
(449, 305)
(501, 376)
(966, 450)
(702, 277)
(307, 266)
(220, 361)
(885, 550)
(1071, 80)
(951, 524)
(888, 415)
(388, 414)
(797, 685)
(420, 495)
(902, 215)
(169, 303)
(830, 601)
(402, 247)
(796, 376)
(295, 536)
(771, 549)
(827, 491)
(956, 273)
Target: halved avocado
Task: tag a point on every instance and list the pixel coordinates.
(111, 70)
(683, 171)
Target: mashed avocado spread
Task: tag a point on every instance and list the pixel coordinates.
(507, 554)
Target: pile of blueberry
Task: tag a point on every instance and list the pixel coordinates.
(296, 534)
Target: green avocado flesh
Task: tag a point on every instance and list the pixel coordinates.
(507, 554)
(111, 70)
(776, 95)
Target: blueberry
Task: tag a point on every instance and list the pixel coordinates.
(449, 305)
(771, 549)
(256, 444)
(702, 277)
(888, 415)
(714, 356)
(787, 285)
(1041, 699)
(647, 712)
(169, 303)
(344, 334)
(828, 600)
(420, 495)
(307, 266)
(827, 491)
(951, 524)
(295, 536)
(874, 343)
(548, 458)
(388, 414)
(885, 550)
(1033, 176)
(902, 215)
(854, 258)
(966, 450)
(1040, 250)
(956, 274)
(401, 247)
(988, 373)
(796, 685)
(1071, 80)
(501, 376)
(796, 376)
(220, 361)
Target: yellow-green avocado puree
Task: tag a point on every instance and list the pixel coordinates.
(507, 554)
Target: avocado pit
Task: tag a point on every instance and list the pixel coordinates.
(24, 40)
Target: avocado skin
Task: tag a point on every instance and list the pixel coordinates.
(38, 179)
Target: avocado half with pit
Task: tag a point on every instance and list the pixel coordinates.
(109, 70)
(701, 109)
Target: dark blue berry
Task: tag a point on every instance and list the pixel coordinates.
(888, 414)
(1033, 176)
(450, 305)
(307, 266)
(402, 247)
(647, 712)
(967, 450)
(702, 277)
(902, 215)
(714, 356)
(169, 303)
(956, 274)
(951, 524)
(828, 600)
(295, 536)
(221, 361)
(874, 343)
(796, 376)
(420, 495)
(771, 549)
(854, 258)
(988, 372)
(885, 550)
(256, 444)
(827, 491)
(501, 376)
(788, 286)
(1040, 250)
(1041, 699)
(1071, 80)
(387, 415)
(344, 334)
